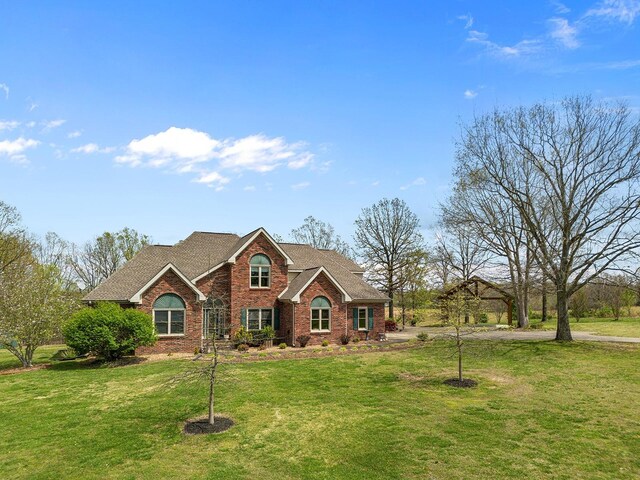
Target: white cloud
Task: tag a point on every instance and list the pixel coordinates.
(30, 124)
(249, 188)
(468, 19)
(416, 183)
(74, 134)
(48, 125)
(17, 146)
(624, 11)
(520, 49)
(4, 87)
(31, 105)
(563, 32)
(375, 183)
(184, 150)
(9, 124)
(210, 178)
(300, 186)
(90, 148)
(470, 94)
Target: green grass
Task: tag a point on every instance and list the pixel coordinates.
(625, 327)
(42, 355)
(541, 410)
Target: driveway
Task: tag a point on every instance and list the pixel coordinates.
(492, 334)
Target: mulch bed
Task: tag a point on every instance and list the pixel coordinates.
(202, 426)
(465, 383)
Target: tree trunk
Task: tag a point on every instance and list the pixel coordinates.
(459, 359)
(544, 299)
(390, 293)
(563, 331)
(523, 314)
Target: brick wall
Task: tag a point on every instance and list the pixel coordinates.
(192, 338)
(242, 296)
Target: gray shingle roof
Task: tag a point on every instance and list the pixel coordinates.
(201, 251)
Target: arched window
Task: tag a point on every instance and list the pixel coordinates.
(168, 314)
(214, 317)
(260, 271)
(320, 315)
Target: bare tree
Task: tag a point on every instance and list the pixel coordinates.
(13, 238)
(99, 258)
(412, 277)
(387, 233)
(491, 227)
(321, 235)
(572, 171)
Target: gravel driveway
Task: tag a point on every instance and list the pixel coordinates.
(492, 334)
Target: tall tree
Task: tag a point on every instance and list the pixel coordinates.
(13, 238)
(97, 259)
(492, 226)
(412, 279)
(320, 234)
(572, 171)
(387, 234)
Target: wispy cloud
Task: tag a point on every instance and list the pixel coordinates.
(563, 32)
(31, 105)
(416, 183)
(74, 134)
(49, 125)
(520, 49)
(249, 188)
(624, 11)
(300, 186)
(90, 148)
(467, 19)
(470, 94)
(560, 7)
(9, 124)
(5, 88)
(184, 150)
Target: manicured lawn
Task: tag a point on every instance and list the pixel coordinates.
(42, 355)
(541, 410)
(625, 327)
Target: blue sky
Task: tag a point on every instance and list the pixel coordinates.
(182, 116)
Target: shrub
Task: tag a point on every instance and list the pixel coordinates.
(423, 336)
(325, 343)
(484, 318)
(355, 339)
(268, 332)
(109, 331)
(414, 322)
(242, 347)
(390, 326)
(282, 346)
(303, 340)
(262, 346)
(345, 339)
(242, 336)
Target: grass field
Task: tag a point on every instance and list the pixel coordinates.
(541, 410)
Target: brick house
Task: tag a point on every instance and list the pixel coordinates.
(214, 283)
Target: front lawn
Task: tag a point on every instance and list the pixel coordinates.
(541, 410)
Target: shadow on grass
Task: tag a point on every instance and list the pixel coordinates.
(93, 363)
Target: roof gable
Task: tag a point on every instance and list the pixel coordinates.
(137, 297)
(299, 284)
(245, 241)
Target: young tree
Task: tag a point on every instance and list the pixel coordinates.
(321, 235)
(572, 171)
(387, 234)
(33, 306)
(579, 304)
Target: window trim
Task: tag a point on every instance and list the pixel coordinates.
(366, 319)
(260, 325)
(320, 309)
(260, 270)
(169, 310)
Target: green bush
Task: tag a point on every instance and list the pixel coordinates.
(109, 331)
(242, 347)
(282, 346)
(423, 336)
(325, 343)
(484, 318)
(242, 336)
(268, 332)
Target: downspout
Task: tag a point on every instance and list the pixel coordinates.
(293, 328)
